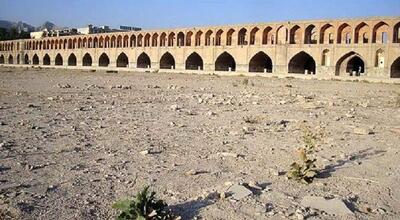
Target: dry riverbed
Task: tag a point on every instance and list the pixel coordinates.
(73, 142)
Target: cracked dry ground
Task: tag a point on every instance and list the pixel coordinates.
(73, 142)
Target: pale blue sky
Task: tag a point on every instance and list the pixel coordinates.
(186, 13)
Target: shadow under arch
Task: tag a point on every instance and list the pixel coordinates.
(351, 63)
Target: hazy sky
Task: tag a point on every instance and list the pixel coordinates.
(182, 13)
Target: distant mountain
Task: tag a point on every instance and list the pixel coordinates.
(20, 26)
(47, 25)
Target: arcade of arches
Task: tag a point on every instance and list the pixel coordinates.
(320, 48)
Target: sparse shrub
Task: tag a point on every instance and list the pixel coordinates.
(144, 206)
(305, 171)
(245, 82)
(252, 119)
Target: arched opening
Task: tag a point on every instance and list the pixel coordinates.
(104, 61)
(295, 35)
(133, 41)
(380, 33)
(355, 66)
(225, 62)
(143, 61)
(218, 37)
(208, 38)
(351, 64)
(189, 36)
(326, 59)
(310, 35)
(163, 39)
(194, 62)
(95, 42)
(126, 41)
(26, 59)
(122, 60)
(362, 32)
(253, 35)
(18, 59)
(229, 37)
(267, 36)
(344, 34)
(46, 60)
(167, 61)
(59, 60)
(198, 38)
(396, 33)
(154, 40)
(140, 40)
(119, 41)
(260, 63)
(35, 60)
(87, 60)
(302, 63)
(281, 35)
(395, 69)
(10, 59)
(171, 39)
(380, 58)
(72, 60)
(242, 37)
(147, 40)
(113, 40)
(181, 39)
(1, 59)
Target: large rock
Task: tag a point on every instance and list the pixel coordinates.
(239, 192)
(330, 206)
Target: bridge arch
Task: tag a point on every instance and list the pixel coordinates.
(26, 59)
(194, 62)
(72, 60)
(104, 61)
(302, 63)
(35, 59)
(46, 60)
(59, 60)
(1, 59)
(260, 63)
(10, 59)
(143, 61)
(395, 69)
(351, 64)
(122, 60)
(225, 62)
(87, 60)
(167, 61)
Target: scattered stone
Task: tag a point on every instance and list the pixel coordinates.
(239, 192)
(330, 206)
(381, 211)
(65, 86)
(145, 152)
(362, 131)
(254, 185)
(175, 107)
(191, 173)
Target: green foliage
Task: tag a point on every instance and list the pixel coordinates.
(305, 171)
(143, 207)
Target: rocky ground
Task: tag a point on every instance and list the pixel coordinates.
(73, 142)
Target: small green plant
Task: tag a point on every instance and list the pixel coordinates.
(144, 206)
(305, 171)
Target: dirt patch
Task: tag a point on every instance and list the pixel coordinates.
(74, 142)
